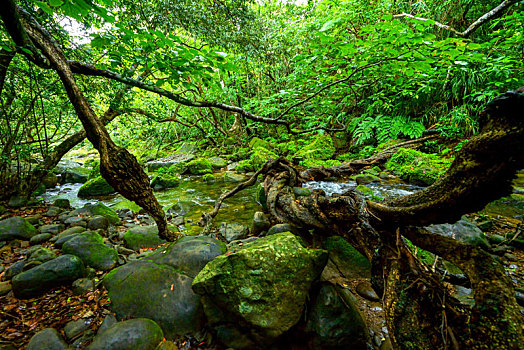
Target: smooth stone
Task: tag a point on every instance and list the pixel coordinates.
(5, 287)
(13, 270)
(16, 228)
(260, 223)
(42, 255)
(180, 208)
(52, 228)
(17, 202)
(51, 274)
(366, 179)
(140, 333)
(279, 228)
(365, 290)
(47, 339)
(139, 237)
(34, 219)
(83, 285)
(73, 329)
(233, 231)
(61, 240)
(76, 221)
(90, 247)
(233, 177)
(41, 238)
(108, 321)
(463, 230)
(62, 203)
(124, 250)
(98, 222)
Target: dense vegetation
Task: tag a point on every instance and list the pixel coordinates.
(321, 83)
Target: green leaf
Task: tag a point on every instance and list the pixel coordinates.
(55, 3)
(44, 6)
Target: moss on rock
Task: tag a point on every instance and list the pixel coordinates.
(95, 187)
(200, 166)
(321, 148)
(417, 167)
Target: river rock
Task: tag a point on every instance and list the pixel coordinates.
(62, 203)
(67, 234)
(335, 320)
(217, 162)
(233, 231)
(47, 339)
(14, 270)
(366, 179)
(233, 177)
(142, 237)
(42, 255)
(17, 201)
(97, 209)
(41, 238)
(173, 160)
(51, 274)
(259, 289)
(5, 287)
(279, 228)
(180, 208)
(16, 228)
(164, 181)
(75, 174)
(74, 328)
(347, 259)
(52, 228)
(140, 333)
(50, 180)
(463, 230)
(53, 211)
(162, 281)
(98, 222)
(260, 223)
(365, 290)
(90, 247)
(96, 187)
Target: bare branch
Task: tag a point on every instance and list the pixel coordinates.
(495, 13)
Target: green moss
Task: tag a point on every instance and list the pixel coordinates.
(96, 187)
(417, 167)
(200, 166)
(366, 191)
(245, 166)
(321, 148)
(309, 162)
(163, 181)
(208, 178)
(95, 168)
(103, 210)
(260, 156)
(257, 142)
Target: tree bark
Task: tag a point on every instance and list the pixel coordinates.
(420, 311)
(119, 167)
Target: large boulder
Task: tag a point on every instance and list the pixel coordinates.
(139, 333)
(164, 181)
(96, 187)
(347, 259)
(199, 166)
(51, 274)
(335, 321)
(254, 294)
(47, 339)
(175, 162)
(16, 228)
(75, 174)
(159, 286)
(90, 247)
(233, 231)
(142, 237)
(217, 162)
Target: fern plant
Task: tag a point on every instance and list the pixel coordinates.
(383, 128)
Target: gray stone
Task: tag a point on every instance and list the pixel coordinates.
(169, 161)
(90, 247)
(335, 320)
(463, 230)
(51, 274)
(76, 221)
(366, 179)
(142, 237)
(260, 223)
(16, 228)
(73, 329)
(47, 339)
(98, 222)
(68, 234)
(233, 177)
(140, 333)
(109, 320)
(217, 162)
(83, 285)
(41, 238)
(52, 228)
(34, 219)
(279, 228)
(17, 202)
(301, 191)
(162, 281)
(14, 270)
(233, 231)
(76, 174)
(180, 208)
(42, 255)
(97, 209)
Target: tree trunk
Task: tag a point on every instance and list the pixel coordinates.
(420, 311)
(119, 167)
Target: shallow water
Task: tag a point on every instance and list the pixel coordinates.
(381, 190)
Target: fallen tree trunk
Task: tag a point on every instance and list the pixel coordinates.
(420, 311)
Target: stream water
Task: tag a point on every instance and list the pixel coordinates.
(199, 196)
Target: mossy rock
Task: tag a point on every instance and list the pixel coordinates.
(321, 147)
(245, 166)
(417, 167)
(16, 228)
(98, 209)
(142, 237)
(217, 162)
(348, 260)
(90, 247)
(260, 288)
(310, 162)
(96, 187)
(208, 178)
(94, 172)
(260, 156)
(366, 191)
(199, 166)
(164, 181)
(140, 333)
(257, 142)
